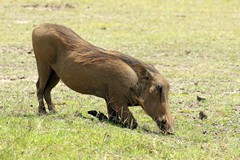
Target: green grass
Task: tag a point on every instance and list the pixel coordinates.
(195, 44)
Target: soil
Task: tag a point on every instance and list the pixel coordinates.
(13, 49)
(13, 65)
(48, 6)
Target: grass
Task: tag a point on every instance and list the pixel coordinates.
(195, 44)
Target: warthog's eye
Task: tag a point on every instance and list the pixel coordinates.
(159, 88)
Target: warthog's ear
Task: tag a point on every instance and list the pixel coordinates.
(142, 72)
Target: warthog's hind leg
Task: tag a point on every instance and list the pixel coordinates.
(52, 82)
(46, 81)
(41, 107)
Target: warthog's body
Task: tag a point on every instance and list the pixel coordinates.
(120, 79)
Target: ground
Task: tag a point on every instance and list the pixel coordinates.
(194, 44)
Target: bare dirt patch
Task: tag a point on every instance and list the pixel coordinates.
(48, 6)
(237, 108)
(14, 59)
(11, 49)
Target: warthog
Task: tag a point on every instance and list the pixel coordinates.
(118, 78)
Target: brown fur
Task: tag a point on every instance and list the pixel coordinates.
(120, 79)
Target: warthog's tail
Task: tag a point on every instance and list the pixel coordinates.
(101, 116)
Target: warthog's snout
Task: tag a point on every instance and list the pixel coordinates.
(165, 126)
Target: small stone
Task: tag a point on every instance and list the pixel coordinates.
(202, 115)
(103, 28)
(200, 98)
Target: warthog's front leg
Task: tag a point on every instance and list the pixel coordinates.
(126, 117)
(119, 112)
(112, 114)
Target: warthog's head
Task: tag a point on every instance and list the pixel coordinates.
(153, 98)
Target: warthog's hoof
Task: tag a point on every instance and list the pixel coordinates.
(52, 111)
(132, 125)
(42, 112)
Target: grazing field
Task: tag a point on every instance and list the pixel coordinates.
(194, 43)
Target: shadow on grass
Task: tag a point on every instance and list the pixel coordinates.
(103, 118)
